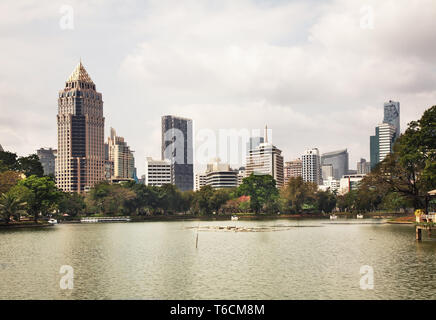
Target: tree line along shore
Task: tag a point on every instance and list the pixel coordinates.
(399, 183)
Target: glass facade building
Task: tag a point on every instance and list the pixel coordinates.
(177, 146)
(338, 161)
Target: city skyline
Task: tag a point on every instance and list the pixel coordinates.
(288, 69)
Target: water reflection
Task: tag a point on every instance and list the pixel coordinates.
(159, 260)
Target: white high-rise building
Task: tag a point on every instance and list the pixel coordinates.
(200, 181)
(157, 172)
(312, 166)
(387, 134)
(266, 159)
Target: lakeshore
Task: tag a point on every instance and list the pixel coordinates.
(391, 218)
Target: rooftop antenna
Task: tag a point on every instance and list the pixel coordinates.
(266, 134)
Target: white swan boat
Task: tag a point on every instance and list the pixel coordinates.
(333, 217)
(359, 216)
(235, 218)
(52, 221)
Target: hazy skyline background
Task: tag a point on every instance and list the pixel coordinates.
(306, 68)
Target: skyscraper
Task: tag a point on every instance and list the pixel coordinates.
(381, 144)
(312, 166)
(266, 159)
(392, 116)
(177, 146)
(47, 157)
(339, 162)
(121, 157)
(80, 160)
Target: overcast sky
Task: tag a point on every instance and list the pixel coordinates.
(317, 72)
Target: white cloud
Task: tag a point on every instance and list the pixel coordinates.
(305, 68)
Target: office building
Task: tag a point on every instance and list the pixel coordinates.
(241, 175)
(200, 181)
(330, 184)
(311, 170)
(350, 182)
(338, 161)
(219, 175)
(177, 146)
(253, 143)
(47, 157)
(80, 122)
(266, 159)
(120, 157)
(293, 169)
(157, 172)
(392, 116)
(386, 133)
(327, 171)
(363, 167)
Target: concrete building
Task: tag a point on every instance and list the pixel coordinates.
(200, 181)
(177, 146)
(157, 172)
(293, 169)
(312, 166)
(266, 159)
(219, 175)
(80, 122)
(47, 157)
(339, 162)
(330, 184)
(120, 157)
(363, 167)
(350, 182)
(241, 175)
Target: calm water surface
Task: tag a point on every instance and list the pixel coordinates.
(158, 260)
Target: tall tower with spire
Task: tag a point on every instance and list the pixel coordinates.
(80, 160)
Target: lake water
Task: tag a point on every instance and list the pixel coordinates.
(315, 259)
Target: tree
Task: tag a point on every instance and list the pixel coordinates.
(105, 198)
(297, 193)
(261, 189)
(8, 179)
(30, 165)
(11, 206)
(72, 204)
(219, 198)
(325, 201)
(8, 161)
(201, 202)
(42, 196)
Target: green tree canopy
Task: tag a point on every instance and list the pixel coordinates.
(261, 189)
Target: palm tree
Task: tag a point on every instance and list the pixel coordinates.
(11, 206)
